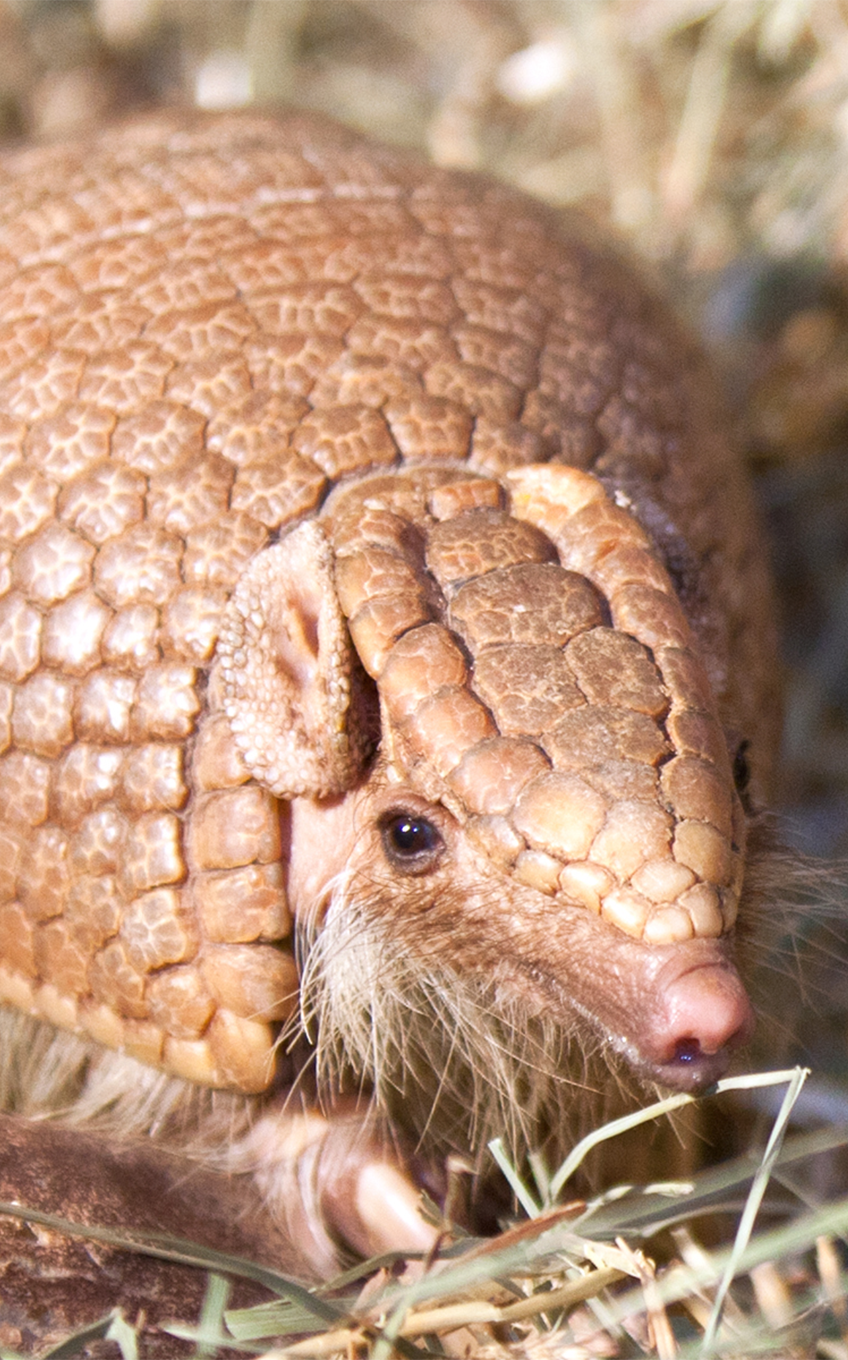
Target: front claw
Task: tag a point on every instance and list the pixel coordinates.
(341, 1181)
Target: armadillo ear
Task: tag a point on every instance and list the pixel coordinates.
(286, 662)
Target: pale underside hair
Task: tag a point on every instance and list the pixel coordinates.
(445, 1058)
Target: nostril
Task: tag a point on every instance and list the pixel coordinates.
(692, 1068)
(687, 1051)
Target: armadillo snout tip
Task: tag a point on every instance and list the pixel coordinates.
(705, 1017)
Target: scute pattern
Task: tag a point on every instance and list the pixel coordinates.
(206, 323)
(557, 755)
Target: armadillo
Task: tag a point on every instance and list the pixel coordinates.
(383, 623)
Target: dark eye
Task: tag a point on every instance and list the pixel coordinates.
(411, 844)
(741, 768)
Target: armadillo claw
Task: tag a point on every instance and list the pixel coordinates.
(338, 1182)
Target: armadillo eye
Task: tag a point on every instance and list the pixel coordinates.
(411, 844)
(741, 768)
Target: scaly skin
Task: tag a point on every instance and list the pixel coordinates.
(334, 490)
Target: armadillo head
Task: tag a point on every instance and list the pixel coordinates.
(552, 805)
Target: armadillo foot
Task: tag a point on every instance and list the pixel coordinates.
(340, 1181)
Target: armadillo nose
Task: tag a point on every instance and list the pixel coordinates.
(706, 1016)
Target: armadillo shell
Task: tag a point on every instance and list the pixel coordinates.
(207, 323)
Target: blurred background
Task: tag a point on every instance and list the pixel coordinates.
(713, 136)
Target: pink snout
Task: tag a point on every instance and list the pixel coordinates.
(702, 1015)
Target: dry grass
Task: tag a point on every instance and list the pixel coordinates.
(638, 1271)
